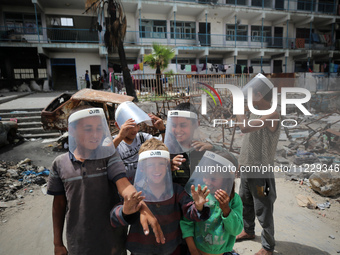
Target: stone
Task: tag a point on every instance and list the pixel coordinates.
(40, 169)
(326, 183)
(25, 161)
(12, 173)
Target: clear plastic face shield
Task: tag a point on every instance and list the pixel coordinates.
(128, 110)
(181, 130)
(153, 176)
(257, 88)
(213, 171)
(89, 135)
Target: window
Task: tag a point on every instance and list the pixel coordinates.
(22, 23)
(326, 6)
(306, 5)
(242, 33)
(257, 62)
(259, 3)
(42, 73)
(184, 61)
(23, 74)
(153, 29)
(61, 21)
(66, 22)
(184, 30)
(303, 33)
(256, 32)
(237, 2)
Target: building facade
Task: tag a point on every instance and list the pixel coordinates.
(59, 41)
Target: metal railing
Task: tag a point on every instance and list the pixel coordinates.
(69, 35)
(175, 85)
(284, 5)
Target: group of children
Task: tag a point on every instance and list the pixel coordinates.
(104, 184)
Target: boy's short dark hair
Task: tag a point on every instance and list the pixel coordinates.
(153, 144)
(76, 109)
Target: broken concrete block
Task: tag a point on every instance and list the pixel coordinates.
(326, 183)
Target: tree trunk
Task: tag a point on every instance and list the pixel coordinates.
(159, 85)
(130, 90)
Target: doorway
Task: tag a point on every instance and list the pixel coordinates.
(278, 37)
(95, 76)
(204, 34)
(277, 66)
(64, 74)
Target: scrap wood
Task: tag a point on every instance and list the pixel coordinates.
(304, 201)
(319, 130)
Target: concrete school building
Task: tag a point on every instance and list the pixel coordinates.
(56, 40)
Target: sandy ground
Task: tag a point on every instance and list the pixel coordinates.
(27, 229)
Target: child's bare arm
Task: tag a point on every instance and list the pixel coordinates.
(199, 196)
(192, 246)
(58, 216)
(146, 217)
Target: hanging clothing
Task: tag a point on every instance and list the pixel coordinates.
(251, 69)
(141, 66)
(238, 69)
(188, 68)
(193, 68)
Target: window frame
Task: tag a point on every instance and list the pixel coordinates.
(182, 30)
(153, 29)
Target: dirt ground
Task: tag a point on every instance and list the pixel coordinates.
(27, 229)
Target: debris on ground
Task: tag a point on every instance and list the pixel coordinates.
(17, 179)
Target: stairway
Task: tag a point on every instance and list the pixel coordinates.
(29, 123)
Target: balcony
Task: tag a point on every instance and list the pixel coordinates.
(67, 35)
(322, 6)
(49, 35)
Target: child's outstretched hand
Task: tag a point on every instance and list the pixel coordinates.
(199, 196)
(132, 203)
(157, 122)
(223, 198)
(176, 162)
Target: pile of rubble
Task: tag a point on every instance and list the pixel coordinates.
(312, 152)
(15, 178)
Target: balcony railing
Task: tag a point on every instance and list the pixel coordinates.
(286, 5)
(67, 35)
(49, 35)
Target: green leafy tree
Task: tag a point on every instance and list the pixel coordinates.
(159, 59)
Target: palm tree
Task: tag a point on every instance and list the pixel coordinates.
(159, 60)
(114, 35)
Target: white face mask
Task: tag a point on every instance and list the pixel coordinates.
(181, 130)
(213, 171)
(89, 135)
(128, 110)
(153, 176)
